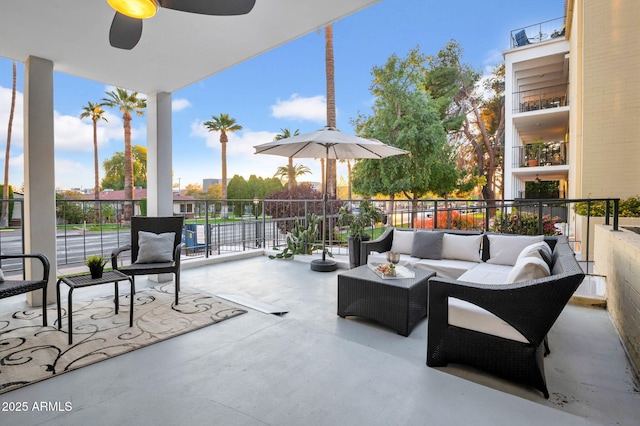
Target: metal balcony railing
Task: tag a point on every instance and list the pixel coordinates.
(537, 33)
(543, 154)
(542, 98)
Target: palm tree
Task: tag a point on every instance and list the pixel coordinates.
(332, 183)
(223, 124)
(292, 172)
(286, 133)
(126, 103)
(5, 189)
(95, 113)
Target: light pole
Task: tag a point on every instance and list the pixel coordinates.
(256, 201)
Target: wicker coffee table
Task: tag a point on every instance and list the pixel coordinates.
(397, 303)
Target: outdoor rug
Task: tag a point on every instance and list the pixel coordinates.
(30, 353)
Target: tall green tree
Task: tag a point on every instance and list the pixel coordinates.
(127, 103)
(286, 133)
(95, 113)
(223, 124)
(114, 167)
(4, 221)
(404, 116)
(473, 114)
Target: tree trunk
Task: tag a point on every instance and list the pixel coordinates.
(292, 176)
(128, 169)
(96, 168)
(332, 181)
(4, 221)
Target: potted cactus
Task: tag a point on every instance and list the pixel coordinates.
(301, 240)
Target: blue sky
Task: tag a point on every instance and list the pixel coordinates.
(283, 88)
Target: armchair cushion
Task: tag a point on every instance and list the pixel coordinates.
(427, 245)
(1, 276)
(155, 248)
(402, 241)
(540, 250)
(504, 249)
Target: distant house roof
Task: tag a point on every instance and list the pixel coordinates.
(138, 194)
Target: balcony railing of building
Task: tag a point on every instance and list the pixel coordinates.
(257, 224)
(542, 98)
(537, 33)
(540, 154)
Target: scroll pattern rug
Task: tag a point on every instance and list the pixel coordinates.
(30, 353)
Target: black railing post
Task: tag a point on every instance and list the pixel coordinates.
(607, 211)
(616, 203)
(540, 221)
(435, 214)
(588, 229)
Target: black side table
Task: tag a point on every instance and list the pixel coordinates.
(80, 281)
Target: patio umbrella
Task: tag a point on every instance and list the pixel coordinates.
(331, 144)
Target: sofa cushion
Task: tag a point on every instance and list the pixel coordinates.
(461, 247)
(504, 249)
(528, 268)
(486, 273)
(540, 250)
(427, 245)
(402, 241)
(447, 268)
(472, 317)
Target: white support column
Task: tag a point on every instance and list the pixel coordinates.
(159, 161)
(39, 172)
(159, 155)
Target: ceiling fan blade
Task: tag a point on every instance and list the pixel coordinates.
(210, 7)
(125, 32)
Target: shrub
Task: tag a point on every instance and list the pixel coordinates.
(628, 207)
(524, 223)
(458, 221)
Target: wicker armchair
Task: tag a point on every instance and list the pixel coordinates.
(530, 307)
(10, 288)
(156, 225)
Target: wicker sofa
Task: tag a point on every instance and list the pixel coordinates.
(490, 315)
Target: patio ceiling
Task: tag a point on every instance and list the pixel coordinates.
(176, 49)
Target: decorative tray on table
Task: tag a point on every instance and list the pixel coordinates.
(388, 271)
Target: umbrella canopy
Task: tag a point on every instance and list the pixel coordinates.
(328, 143)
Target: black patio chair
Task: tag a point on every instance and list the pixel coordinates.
(12, 287)
(141, 265)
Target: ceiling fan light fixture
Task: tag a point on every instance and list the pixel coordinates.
(140, 9)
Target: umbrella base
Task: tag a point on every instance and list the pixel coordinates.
(326, 265)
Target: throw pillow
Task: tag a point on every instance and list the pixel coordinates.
(402, 241)
(1, 276)
(155, 248)
(504, 249)
(540, 250)
(461, 247)
(528, 268)
(427, 245)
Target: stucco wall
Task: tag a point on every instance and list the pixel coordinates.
(617, 256)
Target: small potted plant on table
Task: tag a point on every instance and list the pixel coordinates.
(96, 264)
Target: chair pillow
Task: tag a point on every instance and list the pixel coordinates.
(504, 249)
(540, 250)
(402, 241)
(461, 247)
(528, 268)
(155, 248)
(1, 276)
(427, 245)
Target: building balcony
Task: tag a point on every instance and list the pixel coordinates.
(541, 98)
(540, 154)
(537, 33)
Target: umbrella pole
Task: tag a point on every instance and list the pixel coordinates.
(324, 265)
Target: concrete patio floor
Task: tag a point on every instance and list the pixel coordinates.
(312, 367)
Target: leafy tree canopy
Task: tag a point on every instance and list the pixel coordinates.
(114, 169)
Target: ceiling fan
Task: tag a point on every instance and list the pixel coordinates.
(126, 28)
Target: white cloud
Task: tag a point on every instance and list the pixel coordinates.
(180, 104)
(298, 108)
